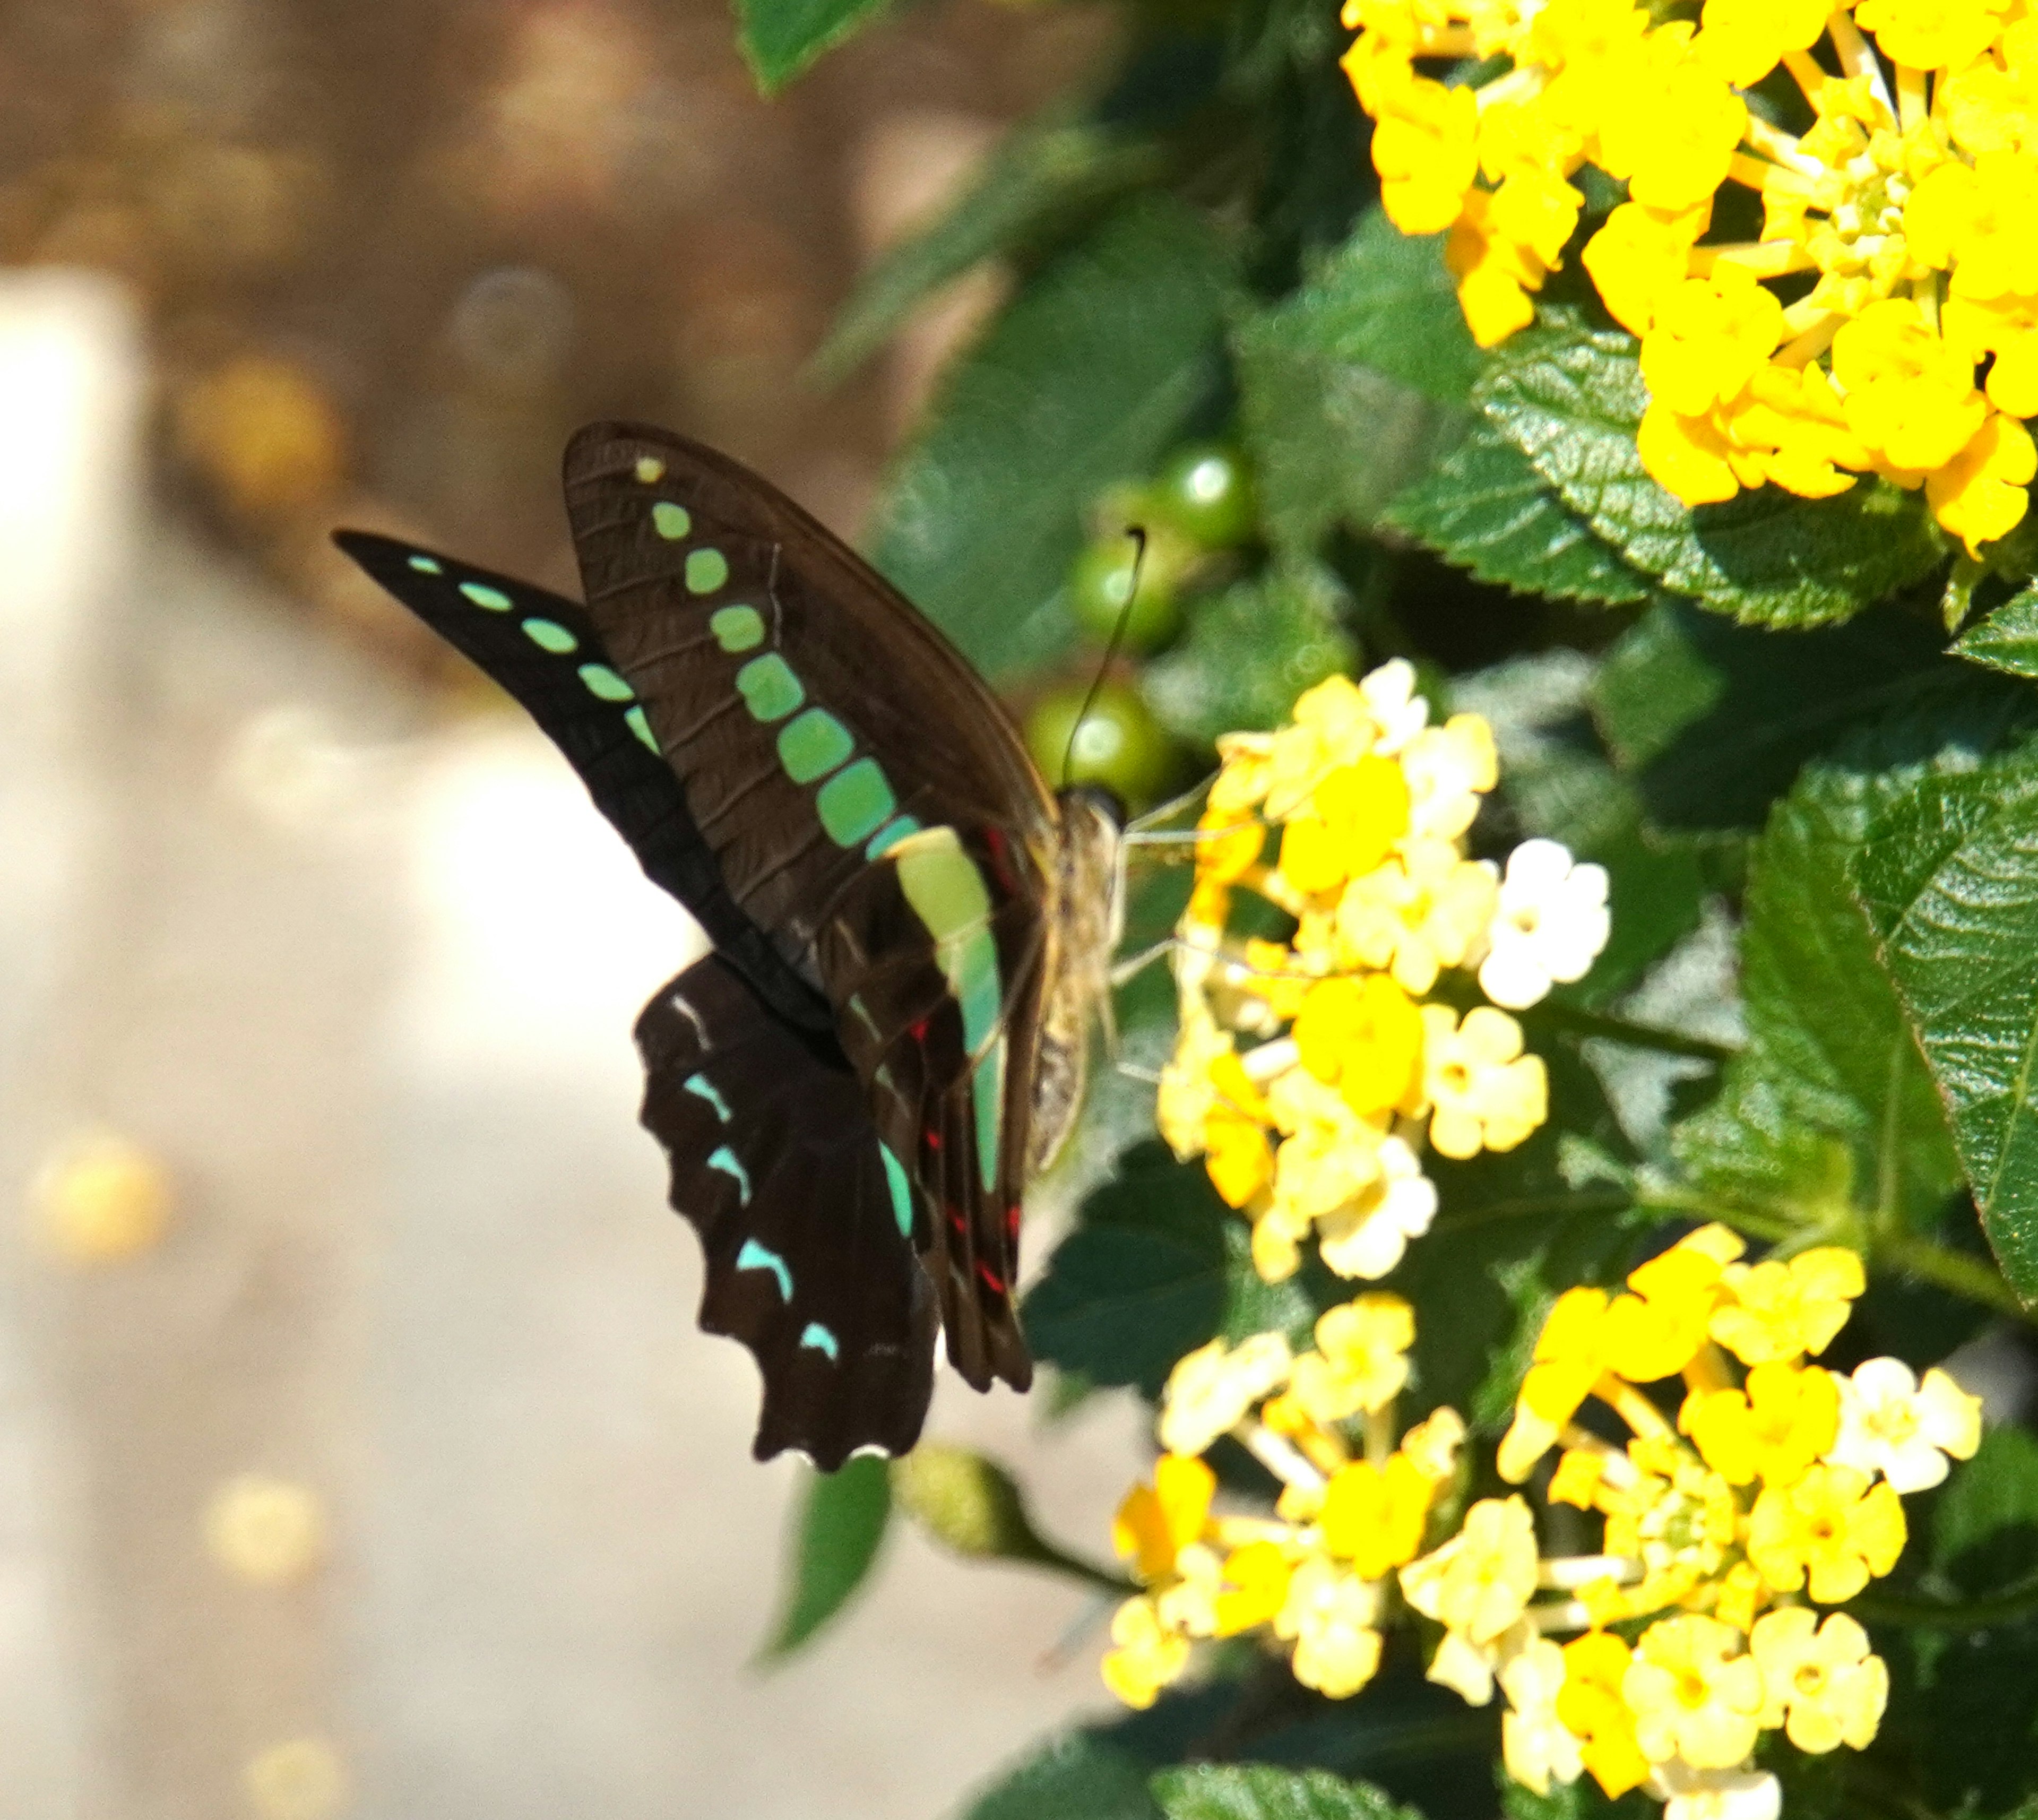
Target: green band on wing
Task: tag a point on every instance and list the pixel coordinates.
(813, 1334)
(902, 1191)
(484, 596)
(707, 571)
(605, 685)
(854, 801)
(813, 745)
(703, 1088)
(756, 1256)
(426, 565)
(637, 722)
(671, 522)
(889, 836)
(737, 628)
(550, 635)
(725, 1159)
(768, 687)
(946, 890)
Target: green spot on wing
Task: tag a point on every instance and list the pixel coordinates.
(890, 835)
(854, 801)
(902, 1191)
(943, 885)
(637, 722)
(703, 1088)
(817, 1336)
(737, 628)
(769, 689)
(726, 1159)
(649, 470)
(756, 1256)
(603, 682)
(707, 571)
(813, 745)
(426, 565)
(550, 635)
(484, 596)
(671, 522)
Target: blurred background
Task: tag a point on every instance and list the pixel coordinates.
(358, 1453)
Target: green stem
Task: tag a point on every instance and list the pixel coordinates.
(1953, 1271)
(2013, 1603)
(1609, 1199)
(1696, 1206)
(1635, 1036)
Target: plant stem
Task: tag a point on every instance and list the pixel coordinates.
(1955, 1273)
(2014, 1602)
(1609, 1199)
(1635, 1036)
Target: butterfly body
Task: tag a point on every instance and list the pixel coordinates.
(911, 931)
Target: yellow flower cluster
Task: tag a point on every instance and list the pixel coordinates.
(1318, 1574)
(1307, 1071)
(1775, 1490)
(1900, 216)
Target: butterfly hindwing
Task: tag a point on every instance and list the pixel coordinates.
(804, 1224)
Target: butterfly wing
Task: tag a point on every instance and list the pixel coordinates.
(804, 1219)
(869, 805)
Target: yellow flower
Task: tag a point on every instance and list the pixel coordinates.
(1931, 34)
(1148, 1655)
(1433, 1445)
(1693, 1696)
(1187, 1093)
(1658, 1328)
(1742, 40)
(1640, 254)
(1420, 912)
(1363, 1035)
(1821, 1677)
(1504, 244)
(1910, 396)
(1567, 1362)
(1331, 726)
(1372, 1516)
(1593, 1705)
(1485, 1093)
(1448, 768)
(1480, 1581)
(1361, 1361)
(1980, 495)
(1354, 818)
(1774, 1429)
(1330, 1615)
(1210, 1390)
(1425, 147)
(1366, 1236)
(1668, 124)
(1710, 336)
(1254, 1587)
(1536, 1745)
(1828, 1531)
(1153, 1525)
(1780, 1311)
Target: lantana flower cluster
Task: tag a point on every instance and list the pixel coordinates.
(1775, 1489)
(1886, 320)
(1310, 1072)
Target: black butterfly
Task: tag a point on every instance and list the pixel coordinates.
(910, 930)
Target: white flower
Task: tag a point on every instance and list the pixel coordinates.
(1468, 1668)
(1209, 1391)
(1368, 1235)
(1549, 926)
(1891, 1424)
(1689, 1794)
(1447, 769)
(1538, 1747)
(1391, 699)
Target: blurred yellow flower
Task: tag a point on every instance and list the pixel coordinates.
(1695, 1695)
(1774, 1429)
(1154, 1524)
(1592, 1705)
(1819, 1680)
(1372, 1516)
(1480, 1581)
(268, 1531)
(1483, 1093)
(1360, 1360)
(1779, 1310)
(1148, 1655)
(301, 1779)
(1828, 1532)
(1329, 1616)
(103, 1199)
(1210, 1390)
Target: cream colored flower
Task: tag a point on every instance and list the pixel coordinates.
(1484, 1092)
(1481, 1580)
(1361, 1361)
(1367, 1237)
(1891, 1424)
(1548, 927)
(1389, 692)
(1212, 1390)
(1448, 768)
(1424, 909)
(1330, 1615)
(1538, 1747)
(1689, 1794)
(1821, 1677)
(1694, 1695)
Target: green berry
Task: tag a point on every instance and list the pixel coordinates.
(1205, 491)
(1101, 583)
(1121, 745)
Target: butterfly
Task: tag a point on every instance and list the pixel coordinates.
(909, 929)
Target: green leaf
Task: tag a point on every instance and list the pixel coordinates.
(1828, 1108)
(1485, 508)
(842, 1523)
(1572, 398)
(780, 38)
(1249, 650)
(1044, 174)
(1349, 388)
(1951, 886)
(1158, 1266)
(1714, 719)
(2008, 639)
(1084, 380)
(1984, 1525)
(1256, 1791)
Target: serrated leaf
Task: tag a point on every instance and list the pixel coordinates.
(1249, 650)
(1714, 719)
(2008, 639)
(1082, 381)
(1256, 1791)
(840, 1528)
(780, 38)
(1951, 887)
(1829, 1106)
(1571, 399)
(1158, 1266)
(1485, 508)
(1043, 173)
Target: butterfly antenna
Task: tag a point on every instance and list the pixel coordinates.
(1138, 534)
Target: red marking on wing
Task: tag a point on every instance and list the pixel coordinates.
(1012, 1221)
(992, 1280)
(1000, 858)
